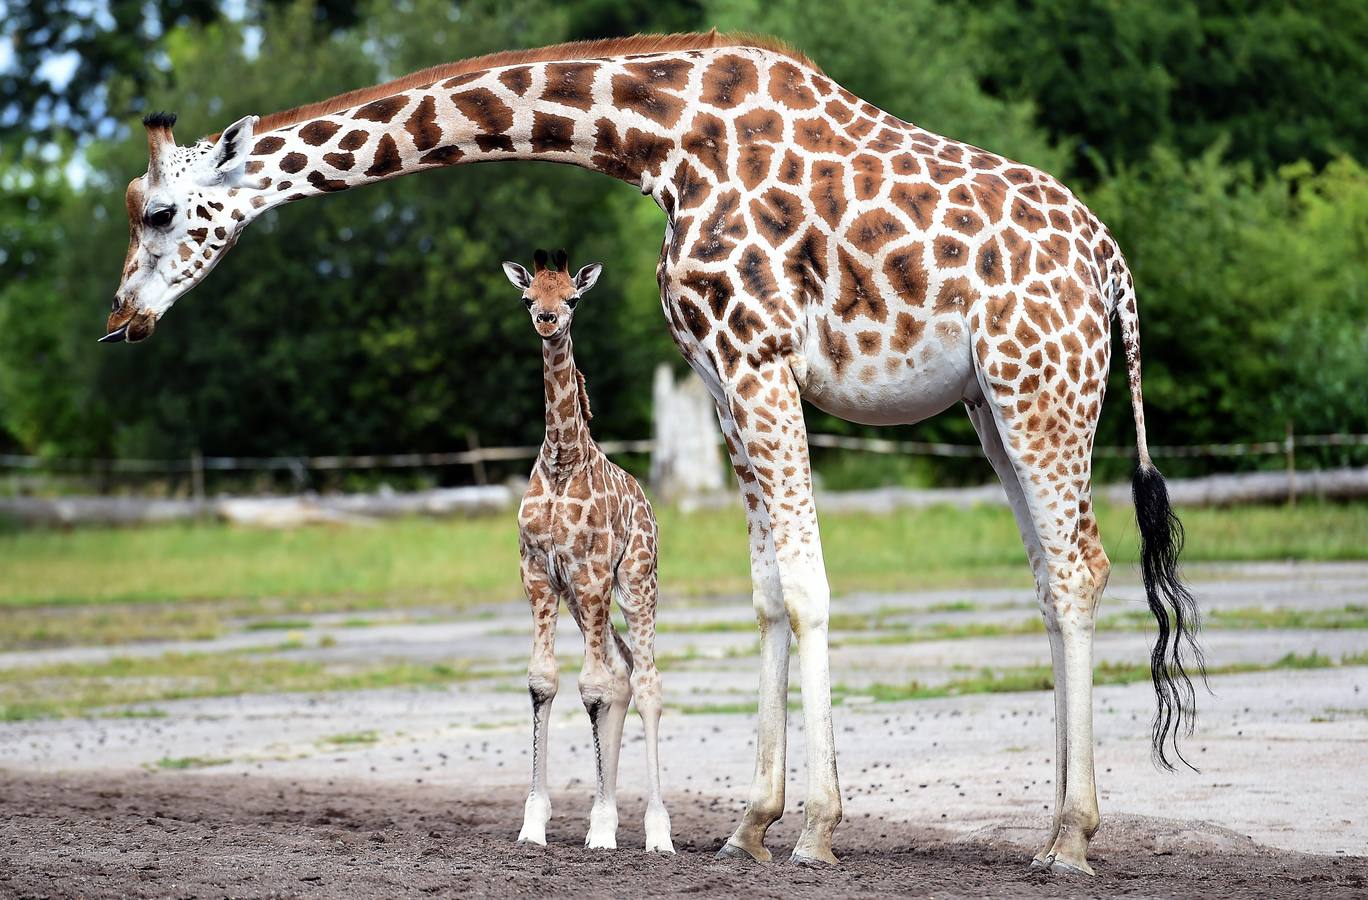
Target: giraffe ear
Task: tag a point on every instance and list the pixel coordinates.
(587, 277)
(228, 157)
(521, 278)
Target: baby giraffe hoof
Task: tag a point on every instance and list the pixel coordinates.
(736, 851)
(1042, 862)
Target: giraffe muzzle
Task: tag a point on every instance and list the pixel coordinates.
(129, 329)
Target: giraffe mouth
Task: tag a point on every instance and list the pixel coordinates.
(550, 330)
(138, 327)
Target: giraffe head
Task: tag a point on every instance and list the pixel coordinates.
(183, 216)
(549, 292)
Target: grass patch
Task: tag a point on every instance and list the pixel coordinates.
(190, 762)
(352, 739)
(70, 689)
(419, 560)
(1041, 678)
(1351, 616)
(1021, 680)
(278, 625)
(135, 713)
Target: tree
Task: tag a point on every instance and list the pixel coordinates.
(65, 53)
(1282, 81)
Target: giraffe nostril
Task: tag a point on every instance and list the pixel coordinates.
(546, 317)
(114, 306)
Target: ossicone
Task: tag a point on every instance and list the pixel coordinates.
(159, 120)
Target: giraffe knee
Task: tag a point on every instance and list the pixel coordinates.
(604, 688)
(807, 600)
(1076, 592)
(543, 681)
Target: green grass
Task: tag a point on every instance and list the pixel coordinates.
(476, 559)
(1019, 680)
(100, 585)
(278, 625)
(70, 689)
(352, 739)
(190, 762)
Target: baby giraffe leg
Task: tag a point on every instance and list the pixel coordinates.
(606, 691)
(637, 593)
(543, 679)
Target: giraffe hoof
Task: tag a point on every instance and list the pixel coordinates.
(1063, 867)
(1042, 863)
(814, 862)
(735, 851)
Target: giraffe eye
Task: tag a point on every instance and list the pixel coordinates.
(160, 218)
(527, 302)
(573, 301)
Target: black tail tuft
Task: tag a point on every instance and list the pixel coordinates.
(1161, 540)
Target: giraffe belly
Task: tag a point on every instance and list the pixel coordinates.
(893, 388)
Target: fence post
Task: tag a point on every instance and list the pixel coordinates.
(197, 481)
(473, 443)
(685, 460)
(1290, 449)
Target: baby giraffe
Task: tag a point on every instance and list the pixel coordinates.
(587, 535)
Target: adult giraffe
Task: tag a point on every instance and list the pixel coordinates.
(816, 247)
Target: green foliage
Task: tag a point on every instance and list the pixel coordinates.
(1283, 81)
(1224, 148)
(102, 41)
(1253, 295)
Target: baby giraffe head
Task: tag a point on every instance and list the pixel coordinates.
(549, 293)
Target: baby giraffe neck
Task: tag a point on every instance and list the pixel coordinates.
(566, 445)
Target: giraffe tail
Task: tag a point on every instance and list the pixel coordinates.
(1176, 651)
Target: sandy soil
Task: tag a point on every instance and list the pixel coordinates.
(943, 797)
(197, 836)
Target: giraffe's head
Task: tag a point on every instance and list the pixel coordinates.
(183, 216)
(549, 292)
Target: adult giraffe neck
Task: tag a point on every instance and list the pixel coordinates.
(566, 445)
(620, 116)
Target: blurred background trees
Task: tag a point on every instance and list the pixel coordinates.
(1224, 144)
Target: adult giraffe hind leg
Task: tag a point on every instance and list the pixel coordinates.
(986, 426)
(765, 804)
(1048, 442)
(767, 411)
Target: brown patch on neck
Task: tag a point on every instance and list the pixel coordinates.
(598, 49)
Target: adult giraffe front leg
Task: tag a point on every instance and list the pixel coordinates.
(765, 805)
(767, 409)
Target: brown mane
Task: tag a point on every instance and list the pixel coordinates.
(641, 43)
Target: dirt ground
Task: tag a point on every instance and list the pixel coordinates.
(418, 791)
(163, 835)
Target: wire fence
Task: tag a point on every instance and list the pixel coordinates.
(479, 455)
